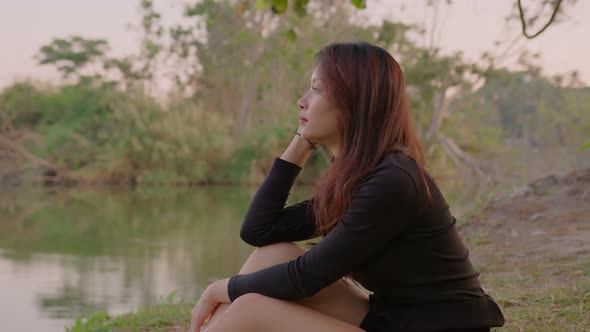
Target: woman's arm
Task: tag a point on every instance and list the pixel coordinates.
(379, 211)
(267, 220)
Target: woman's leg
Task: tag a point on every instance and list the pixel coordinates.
(340, 300)
(258, 313)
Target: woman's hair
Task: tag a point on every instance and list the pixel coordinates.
(366, 86)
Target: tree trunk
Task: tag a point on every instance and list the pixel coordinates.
(441, 104)
(246, 104)
(461, 158)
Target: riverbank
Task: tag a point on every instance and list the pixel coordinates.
(531, 245)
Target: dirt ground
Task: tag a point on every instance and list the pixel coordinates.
(547, 220)
(532, 247)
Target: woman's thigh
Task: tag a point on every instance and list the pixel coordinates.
(341, 300)
(255, 312)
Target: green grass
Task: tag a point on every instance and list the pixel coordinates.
(170, 315)
(165, 317)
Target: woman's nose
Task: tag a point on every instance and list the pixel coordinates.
(300, 103)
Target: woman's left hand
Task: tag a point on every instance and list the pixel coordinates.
(214, 295)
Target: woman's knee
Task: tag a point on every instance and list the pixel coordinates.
(243, 311)
(247, 306)
(248, 301)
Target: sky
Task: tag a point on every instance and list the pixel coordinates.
(470, 26)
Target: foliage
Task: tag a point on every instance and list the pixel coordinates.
(239, 70)
(21, 105)
(73, 54)
(183, 140)
(533, 108)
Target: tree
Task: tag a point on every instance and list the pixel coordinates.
(236, 55)
(135, 70)
(151, 45)
(74, 56)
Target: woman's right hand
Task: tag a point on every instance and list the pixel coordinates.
(298, 150)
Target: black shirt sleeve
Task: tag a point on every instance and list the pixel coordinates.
(380, 208)
(267, 220)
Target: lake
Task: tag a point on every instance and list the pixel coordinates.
(65, 253)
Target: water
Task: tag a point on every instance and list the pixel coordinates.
(67, 253)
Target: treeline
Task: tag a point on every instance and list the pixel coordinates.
(238, 72)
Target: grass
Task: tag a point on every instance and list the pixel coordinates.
(541, 295)
(165, 317)
(169, 316)
(559, 308)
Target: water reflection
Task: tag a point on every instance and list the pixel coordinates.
(117, 250)
(65, 253)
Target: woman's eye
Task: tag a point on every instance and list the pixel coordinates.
(315, 89)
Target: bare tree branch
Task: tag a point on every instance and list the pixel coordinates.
(523, 22)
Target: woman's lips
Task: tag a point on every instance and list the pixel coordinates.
(302, 119)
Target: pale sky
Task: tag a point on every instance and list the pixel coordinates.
(468, 25)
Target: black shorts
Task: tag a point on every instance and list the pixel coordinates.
(394, 318)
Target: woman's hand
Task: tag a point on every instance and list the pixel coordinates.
(214, 295)
(298, 150)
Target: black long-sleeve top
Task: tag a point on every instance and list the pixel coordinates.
(392, 239)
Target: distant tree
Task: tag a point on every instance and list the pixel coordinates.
(140, 69)
(74, 56)
(151, 44)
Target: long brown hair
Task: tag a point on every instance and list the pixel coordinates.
(366, 85)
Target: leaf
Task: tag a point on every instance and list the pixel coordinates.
(291, 35)
(170, 298)
(195, 10)
(279, 6)
(585, 147)
(300, 7)
(360, 4)
(263, 4)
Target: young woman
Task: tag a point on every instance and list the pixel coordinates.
(384, 222)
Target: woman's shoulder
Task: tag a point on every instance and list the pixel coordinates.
(404, 168)
(400, 165)
(391, 175)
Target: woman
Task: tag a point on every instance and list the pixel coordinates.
(384, 222)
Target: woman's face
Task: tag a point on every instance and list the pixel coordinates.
(321, 125)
